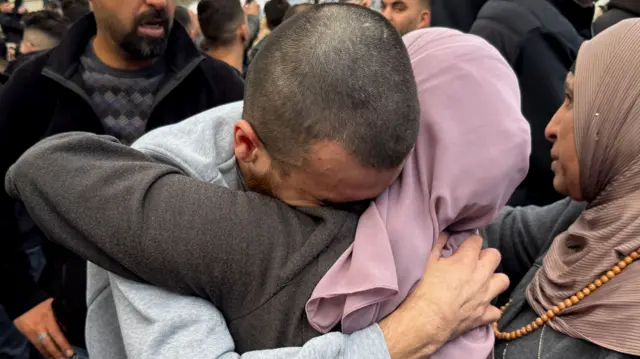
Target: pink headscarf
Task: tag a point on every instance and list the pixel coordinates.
(471, 153)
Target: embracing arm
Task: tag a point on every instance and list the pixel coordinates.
(118, 208)
(160, 324)
(521, 233)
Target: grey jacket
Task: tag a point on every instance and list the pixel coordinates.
(523, 236)
(263, 301)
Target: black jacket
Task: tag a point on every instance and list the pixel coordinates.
(540, 44)
(617, 10)
(44, 97)
(455, 14)
(21, 60)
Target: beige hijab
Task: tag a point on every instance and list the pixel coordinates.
(607, 130)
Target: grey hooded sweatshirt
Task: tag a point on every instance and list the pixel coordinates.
(254, 257)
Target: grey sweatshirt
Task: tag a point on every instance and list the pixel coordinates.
(103, 165)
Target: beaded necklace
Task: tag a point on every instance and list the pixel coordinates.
(575, 299)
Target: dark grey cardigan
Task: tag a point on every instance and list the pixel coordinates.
(524, 235)
(255, 258)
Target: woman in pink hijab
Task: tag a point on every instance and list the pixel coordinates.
(471, 153)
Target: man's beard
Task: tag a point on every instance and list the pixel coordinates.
(262, 184)
(145, 47)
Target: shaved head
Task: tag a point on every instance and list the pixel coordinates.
(339, 74)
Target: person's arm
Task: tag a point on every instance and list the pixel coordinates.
(129, 214)
(452, 298)
(160, 324)
(521, 233)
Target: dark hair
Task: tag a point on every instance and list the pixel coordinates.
(297, 9)
(219, 20)
(74, 10)
(47, 21)
(183, 17)
(274, 11)
(337, 72)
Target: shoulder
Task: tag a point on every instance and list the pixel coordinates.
(27, 74)
(223, 79)
(513, 15)
(219, 70)
(201, 146)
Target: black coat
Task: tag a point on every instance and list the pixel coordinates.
(540, 44)
(44, 97)
(617, 10)
(455, 14)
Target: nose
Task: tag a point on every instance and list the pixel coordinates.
(551, 131)
(386, 12)
(158, 4)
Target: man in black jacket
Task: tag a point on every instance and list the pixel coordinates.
(540, 40)
(123, 72)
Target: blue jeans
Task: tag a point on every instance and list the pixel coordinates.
(13, 345)
(80, 353)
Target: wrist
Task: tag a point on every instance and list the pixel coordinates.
(407, 338)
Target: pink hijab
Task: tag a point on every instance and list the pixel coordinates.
(472, 151)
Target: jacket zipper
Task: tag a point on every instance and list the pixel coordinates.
(174, 82)
(71, 86)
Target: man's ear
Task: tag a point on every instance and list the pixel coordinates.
(425, 19)
(246, 144)
(243, 32)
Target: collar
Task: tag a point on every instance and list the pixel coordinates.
(65, 58)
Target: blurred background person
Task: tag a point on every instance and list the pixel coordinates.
(407, 15)
(225, 31)
(297, 9)
(189, 20)
(540, 40)
(274, 11)
(614, 12)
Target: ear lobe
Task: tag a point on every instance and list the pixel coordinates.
(244, 33)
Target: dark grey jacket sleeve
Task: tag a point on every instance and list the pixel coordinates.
(118, 208)
(521, 234)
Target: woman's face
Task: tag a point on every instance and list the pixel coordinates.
(564, 155)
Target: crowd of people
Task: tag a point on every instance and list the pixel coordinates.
(402, 179)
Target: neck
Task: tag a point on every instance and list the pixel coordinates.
(113, 56)
(232, 55)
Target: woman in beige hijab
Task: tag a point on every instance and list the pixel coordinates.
(581, 299)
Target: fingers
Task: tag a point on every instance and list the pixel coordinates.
(36, 343)
(58, 338)
(438, 246)
(491, 315)
(498, 283)
(51, 349)
(470, 249)
(489, 259)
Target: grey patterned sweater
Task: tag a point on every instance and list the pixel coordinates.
(122, 99)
